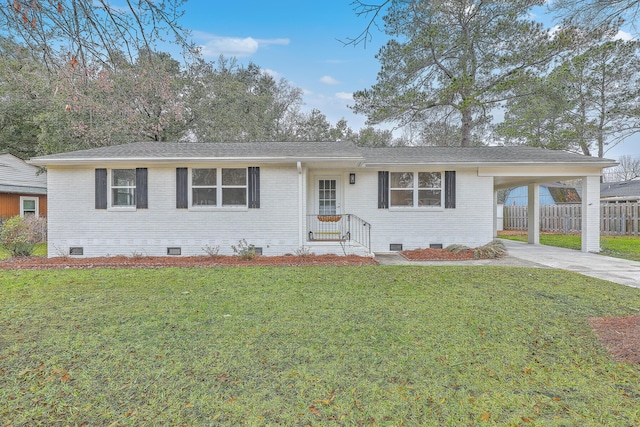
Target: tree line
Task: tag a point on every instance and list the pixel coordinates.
(450, 66)
(83, 73)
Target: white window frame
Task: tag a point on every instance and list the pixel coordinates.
(27, 198)
(415, 191)
(111, 187)
(219, 190)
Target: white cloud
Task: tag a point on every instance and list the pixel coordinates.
(239, 47)
(328, 80)
(268, 71)
(345, 95)
(623, 35)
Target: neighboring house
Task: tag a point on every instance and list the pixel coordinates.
(620, 192)
(157, 198)
(550, 194)
(23, 188)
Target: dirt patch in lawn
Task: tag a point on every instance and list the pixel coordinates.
(619, 335)
(37, 263)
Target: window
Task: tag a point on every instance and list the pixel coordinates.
(215, 187)
(203, 187)
(28, 206)
(123, 187)
(415, 189)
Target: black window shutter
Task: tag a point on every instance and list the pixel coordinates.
(101, 189)
(254, 187)
(383, 190)
(182, 188)
(141, 188)
(450, 189)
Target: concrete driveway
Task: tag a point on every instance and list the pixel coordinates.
(522, 254)
(602, 267)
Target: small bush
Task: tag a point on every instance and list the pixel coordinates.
(456, 249)
(19, 236)
(212, 251)
(495, 249)
(303, 252)
(244, 250)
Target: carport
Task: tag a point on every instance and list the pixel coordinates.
(562, 168)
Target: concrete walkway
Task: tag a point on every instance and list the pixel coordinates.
(522, 254)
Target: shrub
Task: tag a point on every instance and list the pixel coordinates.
(495, 249)
(212, 251)
(456, 249)
(19, 236)
(244, 250)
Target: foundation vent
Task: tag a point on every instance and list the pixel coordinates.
(174, 251)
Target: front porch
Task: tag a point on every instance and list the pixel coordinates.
(350, 232)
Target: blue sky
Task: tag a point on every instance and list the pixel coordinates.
(299, 41)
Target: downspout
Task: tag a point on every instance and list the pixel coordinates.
(301, 215)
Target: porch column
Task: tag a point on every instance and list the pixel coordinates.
(302, 218)
(591, 214)
(533, 214)
(495, 213)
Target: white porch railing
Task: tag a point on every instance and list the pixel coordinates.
(339, 228)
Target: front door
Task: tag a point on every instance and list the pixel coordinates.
(328, 195)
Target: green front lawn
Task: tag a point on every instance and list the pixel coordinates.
(312, 346)
(627, 247)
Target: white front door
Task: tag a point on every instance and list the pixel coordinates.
(328, 195)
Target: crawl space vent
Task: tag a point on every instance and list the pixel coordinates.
(174, 251)
(395, 247)
(78, 250)
(435, 245)
(257, 251)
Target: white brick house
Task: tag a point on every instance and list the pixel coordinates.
(161, 198)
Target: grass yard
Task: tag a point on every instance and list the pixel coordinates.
(439, 346)
(627, 247)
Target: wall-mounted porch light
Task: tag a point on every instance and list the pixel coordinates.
(352, 178)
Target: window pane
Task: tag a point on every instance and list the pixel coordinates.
(123, 177)
(234, 177)
(234, 196)
(203, 197)
(124, 196)
(429, 197)
(401, 180)
(29, 205)
(203, 177)
(429, 179)
(401, 197)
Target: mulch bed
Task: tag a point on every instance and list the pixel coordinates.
(437, 255)
(619, 335)
(42, 263)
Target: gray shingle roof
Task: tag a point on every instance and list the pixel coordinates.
(457, 155)
(620, 189)
(327, 151)
(221, 150)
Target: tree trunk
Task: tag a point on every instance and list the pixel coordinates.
(467, 124)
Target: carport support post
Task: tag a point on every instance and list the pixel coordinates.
(591, 214)
(533, 214)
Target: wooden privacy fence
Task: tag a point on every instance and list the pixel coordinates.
(620, 218)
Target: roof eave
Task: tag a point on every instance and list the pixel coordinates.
(603, 164)
(183, 160)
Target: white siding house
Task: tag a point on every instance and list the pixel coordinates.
(182, 198)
